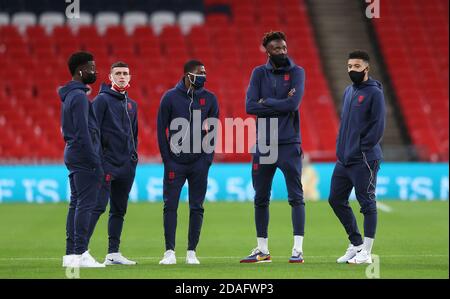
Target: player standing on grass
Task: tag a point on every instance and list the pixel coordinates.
(275, 91)
(188, 99)
(117, 119)
(359, 154)
(82, 157)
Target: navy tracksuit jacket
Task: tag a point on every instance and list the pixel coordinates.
(179, 167)
(359, 153)
(362, 123)
(273, 85)
(82, 156)
(117, 119)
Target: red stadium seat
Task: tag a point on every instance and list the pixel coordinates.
(156, 64)
(408, 49)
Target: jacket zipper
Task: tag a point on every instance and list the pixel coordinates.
(348, 120)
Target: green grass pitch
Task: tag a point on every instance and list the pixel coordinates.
(412, 242)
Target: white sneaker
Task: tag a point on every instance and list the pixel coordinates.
(349, 254)
(169, 258)
(117, 258)
(68, 260)
(191, 258)
(361, 257)
(87, 261)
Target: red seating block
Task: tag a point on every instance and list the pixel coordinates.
(408, 49)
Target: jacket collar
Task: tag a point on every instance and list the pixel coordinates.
(106, 88)
(287, 68)
(181, 87)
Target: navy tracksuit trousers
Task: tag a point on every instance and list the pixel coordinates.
(84, 187)
(290, 163)
(115, 189)
(362, 176)
(175, 175)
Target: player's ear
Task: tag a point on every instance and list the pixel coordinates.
(265, 50)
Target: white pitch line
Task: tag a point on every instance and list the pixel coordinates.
(218, 257)
(384, 207)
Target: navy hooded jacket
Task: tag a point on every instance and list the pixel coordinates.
(117, 119)
(175, 104)
(79, 127)
(273, 85)
(362, 123)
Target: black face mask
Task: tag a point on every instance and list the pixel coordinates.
(198, 81)
(89, 78)
(357, 77)
(279, 60)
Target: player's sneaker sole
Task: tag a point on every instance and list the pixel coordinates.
(354, 262)
(253, 261)
(296, 261)
(167, 263)
(113, 263)
(342, 262)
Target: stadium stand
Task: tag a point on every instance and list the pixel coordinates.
(155, 43)
(414, 42)
(157, 37)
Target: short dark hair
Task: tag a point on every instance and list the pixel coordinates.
(119, 64)
(78, 59)
(359, 54)
(273, 35)
(191, 65)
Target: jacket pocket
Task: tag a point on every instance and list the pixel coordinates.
(104, 143)
(94, 136)
(299, 151)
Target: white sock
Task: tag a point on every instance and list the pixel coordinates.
(298, 243)
(263, 245)
(368, 243)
